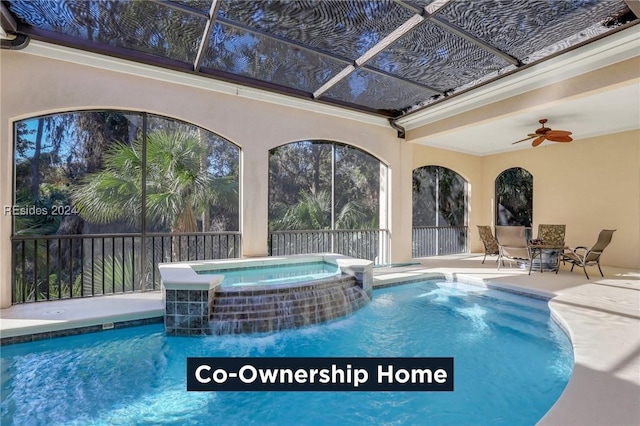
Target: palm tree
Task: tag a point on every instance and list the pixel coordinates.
(177, 187)
(313, 211)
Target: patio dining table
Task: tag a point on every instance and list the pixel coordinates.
(551, 250)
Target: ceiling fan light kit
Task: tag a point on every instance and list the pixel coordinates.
(545, 133)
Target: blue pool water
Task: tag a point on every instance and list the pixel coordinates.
(277, 274)
(511, 364)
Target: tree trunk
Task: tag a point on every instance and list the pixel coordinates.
(317, 151)
(204, 162)
(185, 223)
(35, 162)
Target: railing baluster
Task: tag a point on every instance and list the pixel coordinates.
(113, 265)
(81, 268)
(35, 269)
(133, 265)
(93, 269)
(70, 247)
(59, 269)
(143, 268)
(48, 268)
(24, 272)
(104, 266)
(124, 278)
(161, 248)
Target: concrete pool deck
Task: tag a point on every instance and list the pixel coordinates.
(602, 316)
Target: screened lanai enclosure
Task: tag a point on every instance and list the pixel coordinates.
(101, 196)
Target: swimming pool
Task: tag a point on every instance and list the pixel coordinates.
(511, 364)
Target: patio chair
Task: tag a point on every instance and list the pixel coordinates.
(512, 244)
(489, 242)
(588, 256)
(550, 243)
(552, 235)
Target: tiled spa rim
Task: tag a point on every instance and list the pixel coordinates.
(198, 305)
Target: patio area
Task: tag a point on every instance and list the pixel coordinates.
(602, 316)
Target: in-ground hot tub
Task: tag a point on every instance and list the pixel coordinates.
(262, 294)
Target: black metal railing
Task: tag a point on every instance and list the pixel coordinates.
(439, 240)
(165, 247)
(371, 244)
(56, 267)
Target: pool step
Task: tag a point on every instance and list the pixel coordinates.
(267, 309)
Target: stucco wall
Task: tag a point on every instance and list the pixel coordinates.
(33, 85)
(588, 184)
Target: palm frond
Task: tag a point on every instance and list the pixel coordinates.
(176, 179)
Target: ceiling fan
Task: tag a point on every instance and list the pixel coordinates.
(546, 133)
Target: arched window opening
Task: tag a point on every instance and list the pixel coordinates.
(102, 197)
(327, 197)
(439, 212)
(514, 198)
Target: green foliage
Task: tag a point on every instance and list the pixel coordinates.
(20, 292)
(514, 197)
(63, 289)
(45, 287)
(313, 211)
(50, 195)
(438, 197)
(300, 193)
(178, 188)
(114, 274)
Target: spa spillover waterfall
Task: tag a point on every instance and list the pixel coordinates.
(262, 295)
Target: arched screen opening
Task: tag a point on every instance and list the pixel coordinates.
(326, 196)
(514, 198)
(101, 197)
(439, 212)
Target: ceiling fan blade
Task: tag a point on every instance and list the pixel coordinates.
(525, 139)
(559, 138)
(557, 133)
(538, 141)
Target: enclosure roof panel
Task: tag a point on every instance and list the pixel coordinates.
(384, 57)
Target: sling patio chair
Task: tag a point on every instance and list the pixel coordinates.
(512, 244)
(552, 235)
(489, 242)
(588, 256)
(545, 250)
